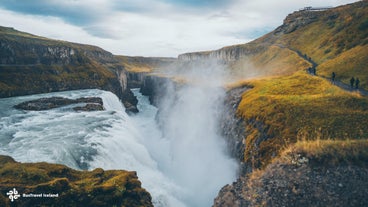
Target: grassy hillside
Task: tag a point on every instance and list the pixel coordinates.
(352, 63)
(336, 40)
(280, 111)
(278, 61)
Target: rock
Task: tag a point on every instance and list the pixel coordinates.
(130, 101)
(89, 107)
(286, 183)
(44, 104)
(94, 103)
(96, 100)
(130, 109)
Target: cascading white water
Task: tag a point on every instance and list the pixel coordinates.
(182, 165)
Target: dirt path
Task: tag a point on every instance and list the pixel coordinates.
(338, 83)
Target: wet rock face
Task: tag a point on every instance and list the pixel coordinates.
(93, 104)
(155, 87)
(136, 79)
(233, 127)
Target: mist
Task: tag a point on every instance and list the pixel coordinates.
(198, 160)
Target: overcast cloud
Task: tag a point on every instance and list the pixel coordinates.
(152, 27)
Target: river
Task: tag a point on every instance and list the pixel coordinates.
(183, 163)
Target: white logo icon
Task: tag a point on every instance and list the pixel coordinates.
(13, 194)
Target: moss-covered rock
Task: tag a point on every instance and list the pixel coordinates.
(59, 185)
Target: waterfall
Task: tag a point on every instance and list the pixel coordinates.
(181, 164)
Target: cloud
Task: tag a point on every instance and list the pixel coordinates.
(201, 3)
(152, 27)
(77, 12)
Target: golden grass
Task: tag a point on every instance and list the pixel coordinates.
(282, 110)
(331, 152)
(352, 63)
(278, 61)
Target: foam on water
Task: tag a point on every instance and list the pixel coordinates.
(175, 169)
(84, 140)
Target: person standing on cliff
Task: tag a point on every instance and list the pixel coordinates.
(333, 75)
(352, 80)
(357, 81)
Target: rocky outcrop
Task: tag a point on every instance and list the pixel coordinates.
(92, 104)
(297, 20)
(295, 180)
(43, 184)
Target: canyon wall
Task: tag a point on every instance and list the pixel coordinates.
(31, 64)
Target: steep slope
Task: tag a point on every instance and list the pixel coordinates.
(333, 40)
(320, 173)
(68, 187)
(31, 64)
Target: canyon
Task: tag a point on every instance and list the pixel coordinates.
(269, 111)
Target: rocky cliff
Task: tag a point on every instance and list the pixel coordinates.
(327, 175)
(226, 54)
(43, 184)
(31, 64)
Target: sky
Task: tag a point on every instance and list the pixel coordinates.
(155, 28)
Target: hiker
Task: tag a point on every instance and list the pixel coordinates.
(352, 80)
(314, 70)
(333, 75)
(357, 81)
